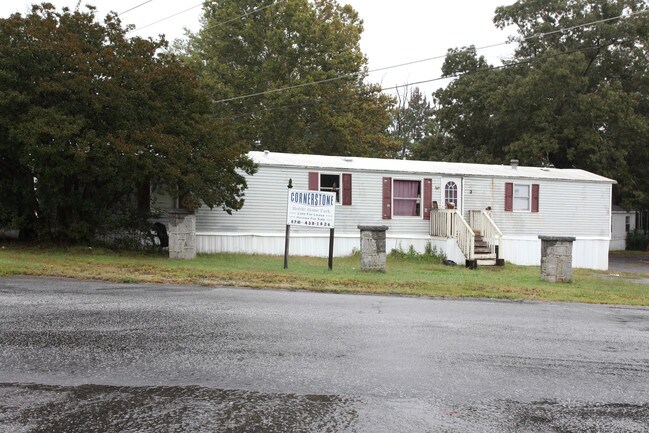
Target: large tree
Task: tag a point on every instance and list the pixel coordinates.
(574, 95)
(410, 119)
(257, 47)
(90, 119)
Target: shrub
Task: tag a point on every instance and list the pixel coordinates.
(637, 241)
(430, 254)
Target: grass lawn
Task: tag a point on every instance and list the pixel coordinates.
(404, 276)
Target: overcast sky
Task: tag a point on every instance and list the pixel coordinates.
(395, 31)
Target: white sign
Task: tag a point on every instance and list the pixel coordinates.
(311, 209)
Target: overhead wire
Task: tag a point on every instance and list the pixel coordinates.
(254, 11)
(440, 78)
(217, 24)
(438, 57)
(169, 17)
(134, 7)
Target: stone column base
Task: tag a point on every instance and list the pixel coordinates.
(556, 258)
(182, 234)
(373, 248)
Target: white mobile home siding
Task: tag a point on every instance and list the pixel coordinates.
(259, 227)
(566, 208)
(571, 203)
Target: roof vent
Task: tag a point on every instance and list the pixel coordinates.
(514, 164)
(348, 159)
(266, 152)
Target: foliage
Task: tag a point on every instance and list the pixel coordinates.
(637, 240)
(430, 254)
(90, 120)
(409, 120)
(576, 98)
(291, 43)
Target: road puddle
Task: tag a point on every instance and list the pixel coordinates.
(92, 408)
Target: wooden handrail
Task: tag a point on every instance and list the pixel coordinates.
(481, 221)
(449, 223)
(465, 236)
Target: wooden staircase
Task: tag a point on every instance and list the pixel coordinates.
(480, 241)
(482, 252)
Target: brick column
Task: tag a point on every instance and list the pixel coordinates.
(373, 248)
(182, 234)
(556, 258)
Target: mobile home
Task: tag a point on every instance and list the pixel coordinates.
(468, 211)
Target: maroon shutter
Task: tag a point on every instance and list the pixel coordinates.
(535, 197)
(428, 197)
(347, 189)
(314, 181)
(509, 197)
(387, 198)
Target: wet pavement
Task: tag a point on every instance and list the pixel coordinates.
(100, 357)
(637, 264)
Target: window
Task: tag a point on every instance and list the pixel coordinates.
(450, 195)
(338, 183)
(627, 223)
(330, 183)
(406, 198)
(521, 197)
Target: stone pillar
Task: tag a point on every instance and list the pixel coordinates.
(182, 234)
(373, 248)
(556, 258)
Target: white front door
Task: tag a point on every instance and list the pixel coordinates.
(452, 193)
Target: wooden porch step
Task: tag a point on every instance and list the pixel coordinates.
(485, 259)
(480, 246)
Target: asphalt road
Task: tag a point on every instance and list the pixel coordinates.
(628, 263)
(100, 357)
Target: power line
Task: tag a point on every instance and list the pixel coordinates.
(217, 24)
(169, 17)
(134, 7)
(440, 78)
(506, 66)
(254, 11)
(438, 57)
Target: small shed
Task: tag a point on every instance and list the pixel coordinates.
(468, 211)
(622, 222)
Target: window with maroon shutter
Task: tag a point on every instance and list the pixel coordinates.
(387, 198)
(330, 183)
(428, 197)
(406, 197)
(347, 189)
(535, 197)
(509, 196)
(521, 197)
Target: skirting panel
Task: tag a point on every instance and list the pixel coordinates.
(314, 245)
(586, 253)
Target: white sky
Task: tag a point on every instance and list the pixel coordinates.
(395, 31)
